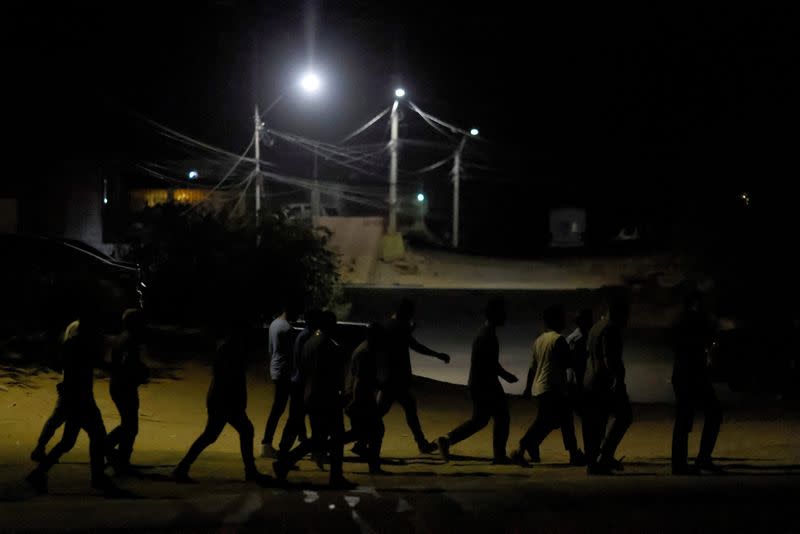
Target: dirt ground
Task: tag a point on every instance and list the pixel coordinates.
(759, 445)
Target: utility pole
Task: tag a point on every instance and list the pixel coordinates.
(457, 189)
(259, 179)
(315, 195)
(393, 171)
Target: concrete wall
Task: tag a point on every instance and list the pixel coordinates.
(357, 241)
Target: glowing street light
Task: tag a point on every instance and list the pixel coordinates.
(194, 175)
(474, 132)
(310, 82)
(399, 92)
(420, 197)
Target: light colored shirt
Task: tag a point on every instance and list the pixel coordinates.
(280, 349)
(549, 362)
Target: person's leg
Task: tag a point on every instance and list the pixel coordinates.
(242, 424)
(684, 415)
(282, 388)
(56, 419)
(93, 425)
(547, 420)
(502, 423)
(481, 413)
(409, 404)
(129, 413)
(296, 424)
(335, 423)
(567, 424)
(623, 416)
(713, 421)
(72, 427)
(214, 425)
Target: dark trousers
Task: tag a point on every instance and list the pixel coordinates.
(485, 406)
(689, 397)
(283, 388)
(84, 416)
(598, 408)
(366, 426)
(296, 424)
(56, 419)
(554, 411)
(218, 417)
(327, 436)
(124, 435)
(403, 396)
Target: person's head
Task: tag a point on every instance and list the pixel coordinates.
(619, 310)
(496, 311)
(133, 322)
(555, 318)
(327, 322)
(375, 336)
(405, 310)
(311, 318)
(584, 320)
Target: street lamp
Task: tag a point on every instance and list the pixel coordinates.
(420, 197)
(399, 92)
(310, 82)
(474, 132)
(193, 175)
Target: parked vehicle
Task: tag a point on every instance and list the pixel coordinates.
(44, 283)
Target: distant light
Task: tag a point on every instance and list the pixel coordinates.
(105, 200)
(310, 82)
(399, 92)
(474, 131)
(420, 197)
(746, 198)
(194, 175)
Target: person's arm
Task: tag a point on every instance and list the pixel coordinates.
(527, 392)
(416, 346)
(505, 375)
(612, 352)
(565, 356)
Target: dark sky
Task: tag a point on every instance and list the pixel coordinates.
(633, 104)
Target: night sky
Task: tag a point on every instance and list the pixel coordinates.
(630, 112)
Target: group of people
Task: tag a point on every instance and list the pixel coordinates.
(582, 373)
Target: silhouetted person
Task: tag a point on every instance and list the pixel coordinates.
(397, 386)
(128, 372)
(361, 387)
(547, 381)
(605, 393)
(296, 424)
(322, 364)
(488, 398)
(81, 353)
(577, 346)
(280, 371)
(59, 415)
(226, 403)
(693, 388)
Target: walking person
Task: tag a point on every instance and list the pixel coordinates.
(59, 414)
(693, 388)
(295, 427)
(606, 395)
(81, 353)
(280, 370)
(128, 372)
(547, 381)
(488, 398)
(322, 364)
(396, 386)
(226, 403)
(361, 387)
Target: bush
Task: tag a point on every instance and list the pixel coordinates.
(203, 267)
